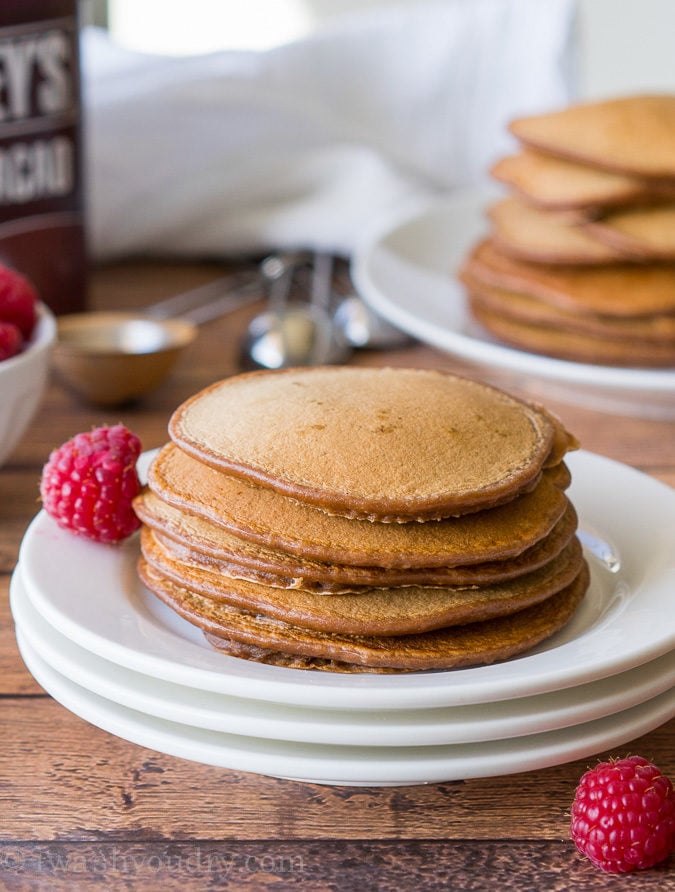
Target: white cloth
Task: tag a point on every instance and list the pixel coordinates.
(312, 143)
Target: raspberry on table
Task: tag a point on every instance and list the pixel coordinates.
(18, 301)
(89, 483)
(623, 815)
(11, 340)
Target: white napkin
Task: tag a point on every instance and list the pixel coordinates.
(313, 143)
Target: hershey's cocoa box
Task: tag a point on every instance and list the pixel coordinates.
(41, 167)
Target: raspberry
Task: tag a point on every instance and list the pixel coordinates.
(11, 341)
(18, 301)
(623, 816)
(89, 483)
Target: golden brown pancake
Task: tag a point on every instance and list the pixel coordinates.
(631, 134)
(381, 444)
(618, 289)
(431, 508)
(375, 611)
(580, 262)
(186, 537)
(574, 346)
(563, 442)
(646, 233)
(525, 308)
(557, 184)
(537, 236)
(287, 661)
(471, 644)
(261, 515)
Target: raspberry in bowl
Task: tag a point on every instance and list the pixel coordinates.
(27, 336)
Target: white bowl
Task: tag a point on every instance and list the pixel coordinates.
(23, 380)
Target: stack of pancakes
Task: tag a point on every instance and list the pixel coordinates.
(580, 260)
(356, 519)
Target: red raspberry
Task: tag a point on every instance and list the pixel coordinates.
(89, 483)
(623, 816)
(11, 341)
(18, 301)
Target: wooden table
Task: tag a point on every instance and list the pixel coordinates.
(82, 808)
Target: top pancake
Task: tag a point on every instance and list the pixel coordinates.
(382, 444)
(633, 134)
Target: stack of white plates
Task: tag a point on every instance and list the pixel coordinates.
(106, 649)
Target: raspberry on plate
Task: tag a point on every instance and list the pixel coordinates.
(18, 300)
(89, 483)
(623, 815)
(11, 341)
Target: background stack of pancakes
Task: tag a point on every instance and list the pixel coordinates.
(357, 519)
(579, 263)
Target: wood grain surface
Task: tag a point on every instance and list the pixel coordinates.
(82, 809)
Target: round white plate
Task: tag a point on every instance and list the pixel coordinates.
(92, 595)
(350, 765)
(407, 273)
(218, 712)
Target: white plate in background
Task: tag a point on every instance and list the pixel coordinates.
(407, 272)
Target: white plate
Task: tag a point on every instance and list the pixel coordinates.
(407, 273)
(91, 594)
(350, 765)
(218, 712)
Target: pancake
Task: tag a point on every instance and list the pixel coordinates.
(471, 644)
(539, 236)
(261, 515)
(616, 290)
(379, 444)
(286, 661)
(563, 442)
(530, 309)
(193, 538)
(574, 346)
(557, 184)
(646, 233)
(631, 134)
(374, 611)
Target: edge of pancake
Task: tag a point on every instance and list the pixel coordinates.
(472, 644)
(525, 171)
(637, 232)
(574, 346)
(387, 545)
(238, 649)
(386, 612)
(329, 579)
(619, 118)
(527, 308)
(567, 286)
(565, 243)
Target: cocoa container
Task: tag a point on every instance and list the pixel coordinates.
(42, 231)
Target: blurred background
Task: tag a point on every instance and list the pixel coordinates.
(625, 45)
